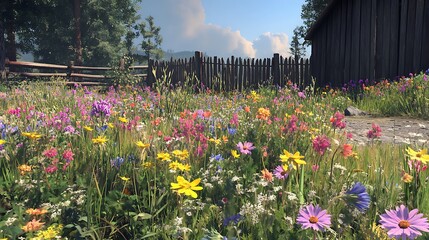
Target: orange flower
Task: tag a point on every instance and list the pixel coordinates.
(36, 211)
(24, 168)
(247, 109)
(406, 178)
(207, 114)
(267, 175)
(263, 114)
(347, 150)
(32, 226)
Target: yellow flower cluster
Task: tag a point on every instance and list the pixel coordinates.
(179, 166)
(31, 135)
(52, 232)
(99, 140)
(181, 154)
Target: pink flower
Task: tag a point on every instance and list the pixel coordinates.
(51, 169)
(402, 223)
(375, 132)
(337, 121)
(68, 155)
(313, 217)
(245, 148)
(280, 172)
(315, 167)
(301, 95)
(321, 144)
(234, 120)
(50, 153)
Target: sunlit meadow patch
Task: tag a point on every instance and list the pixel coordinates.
(134, 163)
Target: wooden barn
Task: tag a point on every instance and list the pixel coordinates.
(369, 39)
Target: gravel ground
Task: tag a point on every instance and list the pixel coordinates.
(397, 130)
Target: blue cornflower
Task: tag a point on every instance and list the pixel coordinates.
(232, 131)
(117, 162)
(217, 157)
(234, 218)
(358, 197)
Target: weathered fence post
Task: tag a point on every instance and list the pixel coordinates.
(70, 71)
(276, 69)
(199, 65)
(150, 78)
(122, 64)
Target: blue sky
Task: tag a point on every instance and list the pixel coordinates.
(243, 28)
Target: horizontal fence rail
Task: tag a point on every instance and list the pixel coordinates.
(84, 75)
(233, 73)
(219, 74)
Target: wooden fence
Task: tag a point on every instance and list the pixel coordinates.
(83, 75)
(235, 73)
(215, 73)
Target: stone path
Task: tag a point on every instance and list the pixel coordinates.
(398, 130)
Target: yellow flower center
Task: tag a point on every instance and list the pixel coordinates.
(404, 224)
(313, 219)
(419, 155)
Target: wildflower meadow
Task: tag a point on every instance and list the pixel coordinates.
(135, 162)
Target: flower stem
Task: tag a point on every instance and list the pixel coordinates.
(301, 186)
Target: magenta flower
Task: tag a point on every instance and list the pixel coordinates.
(280, 172)
(400, 223)
(50, 153)
(245, 148)
(337, 121)
(321, 144)
(375, 132)
(313, 217)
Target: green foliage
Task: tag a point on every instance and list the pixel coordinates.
(152, 39)
(406, 97)
(296, 47)
(310, 12)
(46, 29)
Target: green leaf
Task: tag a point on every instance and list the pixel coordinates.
(142, 216)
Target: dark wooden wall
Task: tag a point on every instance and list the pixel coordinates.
(370, 39)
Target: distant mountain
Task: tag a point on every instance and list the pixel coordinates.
(168, 55)
(178, 55)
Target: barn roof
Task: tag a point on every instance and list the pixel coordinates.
(321, 18)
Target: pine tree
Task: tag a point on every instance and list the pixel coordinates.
(297, 48)
(311, 11)
(152, 39)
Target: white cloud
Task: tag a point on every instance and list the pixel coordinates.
(269, 43)
(183, 28)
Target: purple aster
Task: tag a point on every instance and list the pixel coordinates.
(101, 108)
(69, 129)
(400, 223)
(280, 172)
(313, 217)
(246, 147)
(358, 197)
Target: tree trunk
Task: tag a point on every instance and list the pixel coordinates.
(78, 34)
